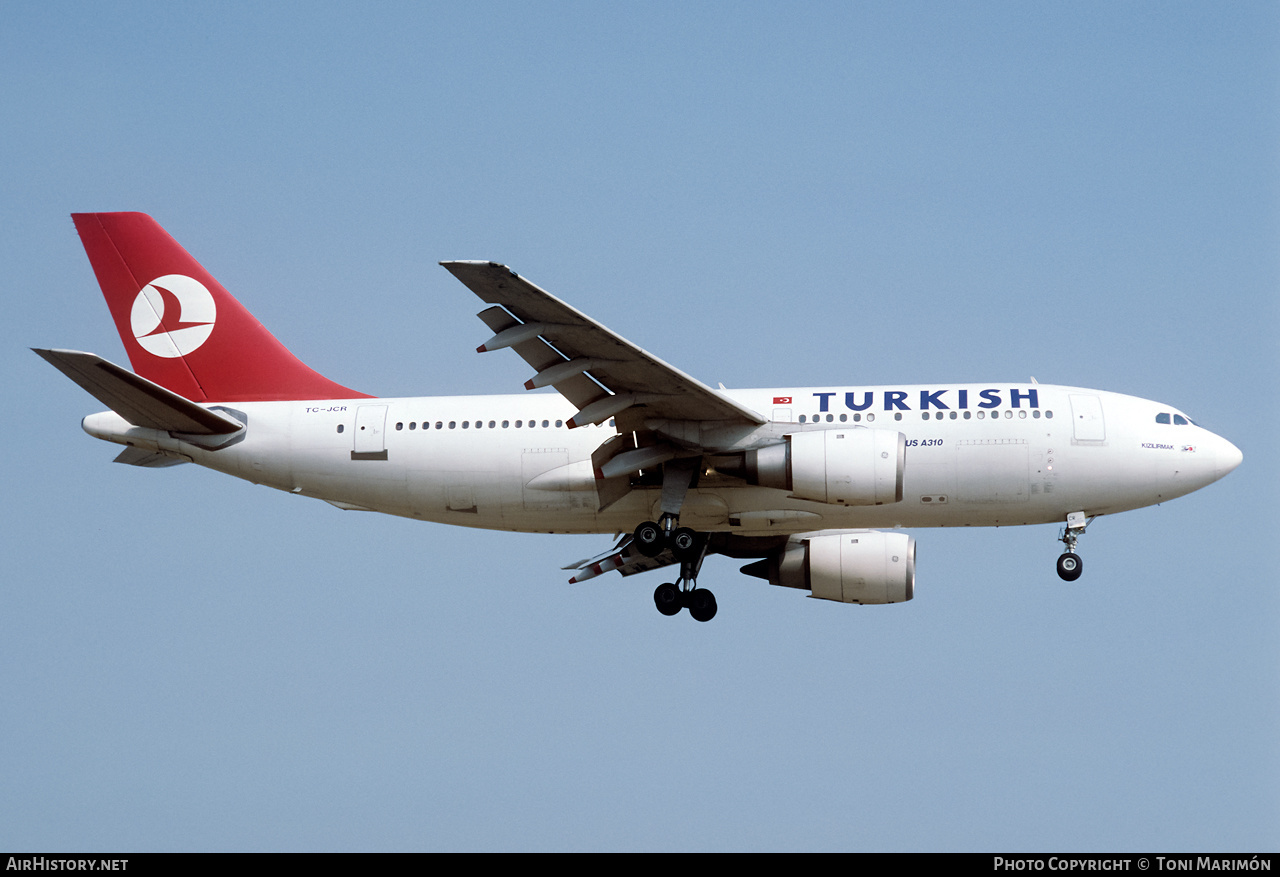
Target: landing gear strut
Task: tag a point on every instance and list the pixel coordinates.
(687, 546)
(1070, 566)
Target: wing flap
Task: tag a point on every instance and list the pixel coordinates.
(147, 459)
(136, 399)
(621, 558)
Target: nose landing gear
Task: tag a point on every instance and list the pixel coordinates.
(1070, 566)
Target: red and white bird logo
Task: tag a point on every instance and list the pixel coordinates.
(173, 315)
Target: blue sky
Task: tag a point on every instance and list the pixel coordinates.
(762, 195)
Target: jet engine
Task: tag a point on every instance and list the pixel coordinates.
(852, 466)
(865, 566)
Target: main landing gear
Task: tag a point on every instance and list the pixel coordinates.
(690, 548)
(1070, 566)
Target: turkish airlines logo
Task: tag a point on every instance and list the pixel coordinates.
(173, 315)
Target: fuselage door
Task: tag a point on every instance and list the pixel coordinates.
(370, 433)
(1086, 412)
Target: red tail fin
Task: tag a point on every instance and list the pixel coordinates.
(181, 328)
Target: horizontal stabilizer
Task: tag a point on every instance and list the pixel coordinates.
(136, 399)
(147, 459)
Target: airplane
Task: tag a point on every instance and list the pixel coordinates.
(812, 485)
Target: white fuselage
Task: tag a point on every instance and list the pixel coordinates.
(977, 455)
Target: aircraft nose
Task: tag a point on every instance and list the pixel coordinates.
(1228, 457)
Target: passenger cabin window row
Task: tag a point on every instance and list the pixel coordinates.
(479, 424)
(939, 415)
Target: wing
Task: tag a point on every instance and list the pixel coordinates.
(600, 372)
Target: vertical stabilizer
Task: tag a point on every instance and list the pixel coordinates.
(181, 329)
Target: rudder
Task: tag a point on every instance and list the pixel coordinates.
(181, 328)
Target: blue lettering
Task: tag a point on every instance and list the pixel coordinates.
(927, 399)
(1016, 396)
(964, 398)
(992, 397)
(895, 399)
(822, 400)
(866, 401)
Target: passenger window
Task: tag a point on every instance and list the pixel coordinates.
(491, 424)
(1162, 417)
(897, 415)
(413, 424)
(440, 424)
(506, 423)
(802, 418)
(967, 415)
(341, 427)
(844, 417)
(1036, 414)
(953, 415)
(399, 426)
(545, 424)
(830, 417)
(453, 424)
(1048, 414)
(870, 417)
(559, 423)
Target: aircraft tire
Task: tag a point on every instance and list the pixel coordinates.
(649, 539)
(1070, 566)
(668, 600)
(685, 544)
(702, 604)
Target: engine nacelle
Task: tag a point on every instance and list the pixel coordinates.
(850, 466)
(859, 567)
